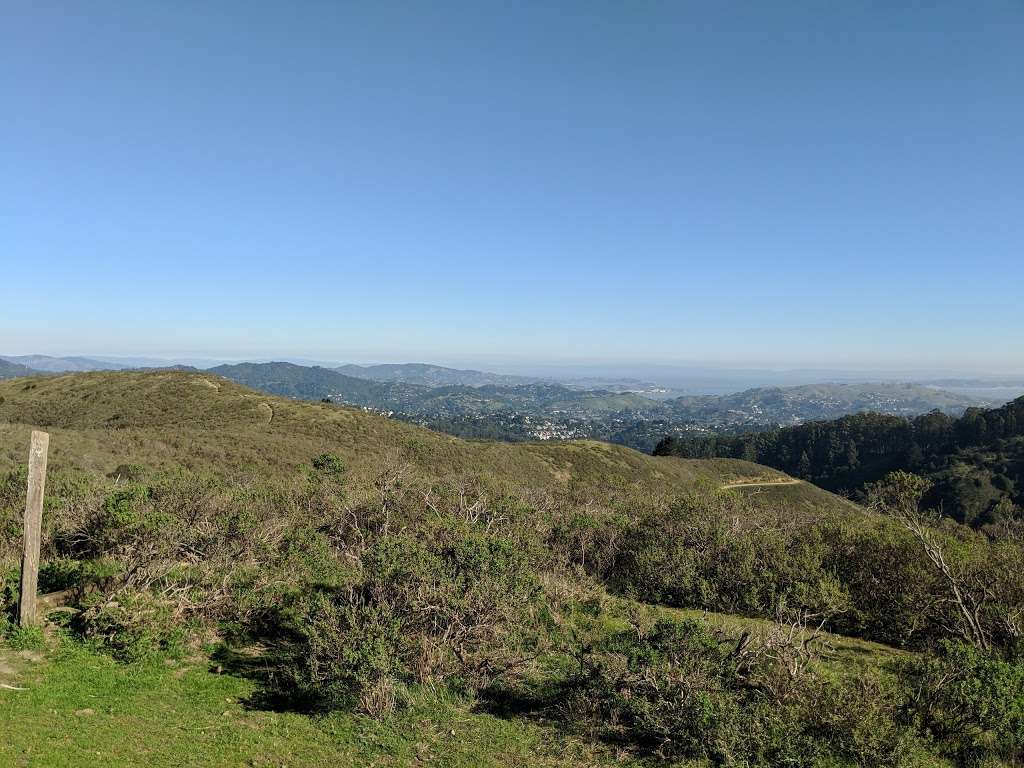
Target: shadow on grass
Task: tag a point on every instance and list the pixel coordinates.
(548, 704)
(543, 702)
(537, 701)
(265, 667)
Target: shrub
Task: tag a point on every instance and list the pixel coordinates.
(671, 690)
(895, 596)
(870, 577)
(684, 693)
(718, 553)
(9, 586)
(61, 573)
(454, 605)
(858, 719)
(971, 701)
(135, 626)
(351, 656)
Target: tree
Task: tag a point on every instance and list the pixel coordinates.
(750, 450)
(899, 494)
(803, 468)
(852, 455)
(667, 446)
(914, 456)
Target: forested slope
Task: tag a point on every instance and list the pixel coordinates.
(975, 462)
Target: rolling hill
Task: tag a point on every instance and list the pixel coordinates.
(9, 370)
(545, 410)
(204, 422)
(315, 383)
(473, 403)
(540, 399)
(793, 405)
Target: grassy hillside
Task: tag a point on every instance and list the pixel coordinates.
(239, 579)
(203, 422)
(315, 382)
(803, 497)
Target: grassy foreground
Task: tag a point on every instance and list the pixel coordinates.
(81, 708)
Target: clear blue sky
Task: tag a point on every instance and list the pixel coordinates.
(792, 183)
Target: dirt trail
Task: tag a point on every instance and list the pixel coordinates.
(7, 675)
(791, 481)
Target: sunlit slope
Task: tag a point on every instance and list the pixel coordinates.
(799, 496)
(166, 419)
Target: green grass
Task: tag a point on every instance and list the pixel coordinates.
(172, 419)
(84, 709)
(802, 497)
(840, 653)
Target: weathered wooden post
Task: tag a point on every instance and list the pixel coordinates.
(33, 528)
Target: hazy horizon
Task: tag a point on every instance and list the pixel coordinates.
(560, 368)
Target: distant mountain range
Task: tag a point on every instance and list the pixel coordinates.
(544, 410)
(47, 364)
(314, 382)
(423, 374)
(11, 370)
(661, 382)
(420, 400)
(793, 405)
(428, 375)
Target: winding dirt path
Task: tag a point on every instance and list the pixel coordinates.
(791, 481)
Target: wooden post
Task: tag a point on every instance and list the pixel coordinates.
(33, 528)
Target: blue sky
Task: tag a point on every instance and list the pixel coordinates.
(776, 184)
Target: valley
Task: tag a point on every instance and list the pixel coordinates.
(480, 405)
(553, 411)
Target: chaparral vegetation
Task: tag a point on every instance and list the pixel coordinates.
(303, 584)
